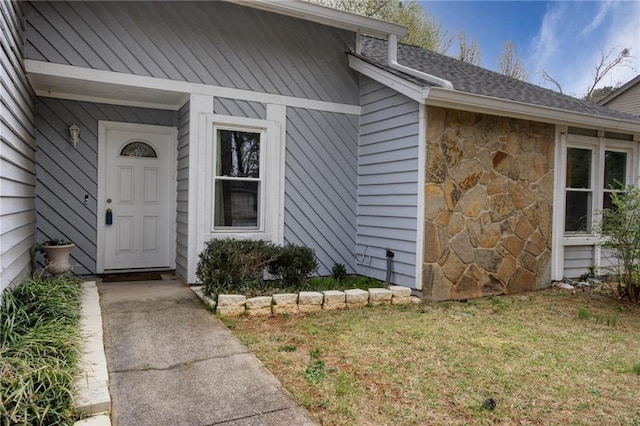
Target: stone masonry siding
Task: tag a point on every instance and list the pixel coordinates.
(488, 205)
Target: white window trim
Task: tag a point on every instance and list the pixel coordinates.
(599, 145)
(591, 145)
(272, 187)
(261, 179)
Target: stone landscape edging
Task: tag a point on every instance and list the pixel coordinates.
(305, 301)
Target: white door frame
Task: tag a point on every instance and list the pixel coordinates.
(103, 126)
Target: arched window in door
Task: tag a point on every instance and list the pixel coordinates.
(138, 149)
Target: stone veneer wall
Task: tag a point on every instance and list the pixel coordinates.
(488, 205)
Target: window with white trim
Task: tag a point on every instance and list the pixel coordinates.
(238, 179)
(579, 190)
(595, 168)
(242, 187)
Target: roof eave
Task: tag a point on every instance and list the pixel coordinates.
(455, 99)
(327, 16)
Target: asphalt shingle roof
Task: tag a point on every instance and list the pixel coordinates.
(469, 78)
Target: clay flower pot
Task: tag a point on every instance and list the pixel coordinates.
(58, 257)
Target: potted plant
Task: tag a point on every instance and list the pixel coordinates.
(56, 253)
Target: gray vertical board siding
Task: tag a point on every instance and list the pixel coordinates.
(320, 185)
(66, 174)
(182, 196)
(388, 183)
(204, 42)
(17, 150)
(609, 263)
(577, 260)
(237, 108)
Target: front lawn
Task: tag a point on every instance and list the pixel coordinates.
(549, 357)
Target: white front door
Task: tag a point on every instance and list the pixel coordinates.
(135, 193)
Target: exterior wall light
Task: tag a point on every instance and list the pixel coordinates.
(74, 134)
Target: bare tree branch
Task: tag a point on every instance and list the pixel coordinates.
(510, 63)
(606, 65)
(469, 53)
(545, 76)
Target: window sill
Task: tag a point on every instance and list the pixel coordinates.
(579, 240)
(240, 235)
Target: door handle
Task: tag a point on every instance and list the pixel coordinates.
(109, 217)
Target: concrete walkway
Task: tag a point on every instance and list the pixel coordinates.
(171, 362)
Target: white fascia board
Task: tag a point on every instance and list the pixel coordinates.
(326, 16)
(397, 83)
(111, 79)
(488, 105)
(110, 101)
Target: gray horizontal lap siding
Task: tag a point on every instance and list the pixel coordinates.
(66, 174)
(577, 260)
(320, 185)
(204, 42)
(17, 151)
(628, 101)
(182, 195)
(388, 183)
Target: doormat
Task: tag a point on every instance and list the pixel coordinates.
(132, 276)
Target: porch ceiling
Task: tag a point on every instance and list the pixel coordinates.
(103, 92)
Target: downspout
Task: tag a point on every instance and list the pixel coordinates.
(392, 60)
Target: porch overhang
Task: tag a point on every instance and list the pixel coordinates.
(91, 85)
(66, 82)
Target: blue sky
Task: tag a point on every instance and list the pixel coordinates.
(564, 37)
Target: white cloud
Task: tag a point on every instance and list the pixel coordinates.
(570, 41)
(625, 33)
(597, 21)
(545, 43)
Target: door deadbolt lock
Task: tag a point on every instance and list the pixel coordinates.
(108, 200)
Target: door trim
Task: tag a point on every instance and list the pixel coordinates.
(103, 127)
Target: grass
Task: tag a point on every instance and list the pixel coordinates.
(539, 356)
(39, 350)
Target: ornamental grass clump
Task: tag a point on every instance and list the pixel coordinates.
(39, 351)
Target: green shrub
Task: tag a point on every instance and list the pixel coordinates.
(339, 271)
(293, 264)
(620, 230)
(234, 266)
(39, 351)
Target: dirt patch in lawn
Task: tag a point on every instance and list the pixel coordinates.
(550, 357)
